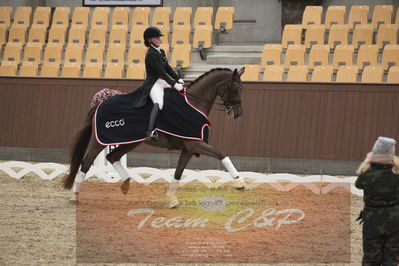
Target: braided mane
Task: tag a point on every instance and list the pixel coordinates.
(206, 73)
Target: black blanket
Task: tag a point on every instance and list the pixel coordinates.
(118, 122)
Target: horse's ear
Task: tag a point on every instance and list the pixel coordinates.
(241, 71)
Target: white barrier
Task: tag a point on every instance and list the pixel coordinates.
(49, 171)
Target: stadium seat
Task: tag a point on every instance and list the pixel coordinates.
(224, 18)
(273, 73)
(362, 34)
(161, 17)
(120, 18)
(335, 15)
(295, 55)
(165, 31)
(271, 54)
(5, 17)
(390, 56)
(16, 36)
(203, 16)
(80, 17)
(292, 34)
(343, 56)
(95, 56)
(97, 37)
(182, 16)
(99, 18)
(28, 69)
(41, 17)
(136, 71)
(113, 71)
(141, 16)
(12, 54)
(372, 74)
(71, 70)
(386, 34)
(22, 17)
(358, 15)
(117, 38)
(181, 36)
(61, 18)
(367, 56)
(347, 74)
(318, 55)
(252, 72)
(322, 74)
(116, 57)
(73, 55)
(397, 17)
(393, 74)
(52, 54)
(338, 35)
(77, 36)
(312, 16)
(202, 36)
(314, 35)
(8, 70)
(33, 54)
(56, 37)
(50, 69)
(3, 36)
(382, 14)
(297, 73)
(92, 72)
(181, 56)
(136, 35)
(137, 54)
(37, 36)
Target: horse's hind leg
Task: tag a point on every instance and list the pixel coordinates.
(114, 158)
(201, 147)
(91, 154)
(184, 158)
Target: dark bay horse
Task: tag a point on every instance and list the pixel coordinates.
(202, 94)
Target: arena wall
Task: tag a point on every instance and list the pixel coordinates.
(299, 126)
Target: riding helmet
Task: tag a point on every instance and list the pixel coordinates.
(150, 33)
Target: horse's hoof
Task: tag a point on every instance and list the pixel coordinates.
(125, 186)
(239, 183)
(74, 198)
(173, 202)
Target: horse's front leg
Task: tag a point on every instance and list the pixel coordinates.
(184, 158)
(201, 147)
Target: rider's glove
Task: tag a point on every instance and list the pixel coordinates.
(180, 81)
(178, 86)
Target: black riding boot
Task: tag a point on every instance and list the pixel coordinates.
(151, 125)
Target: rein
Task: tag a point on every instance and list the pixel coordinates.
(225, 102)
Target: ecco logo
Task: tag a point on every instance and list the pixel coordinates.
(115, 123)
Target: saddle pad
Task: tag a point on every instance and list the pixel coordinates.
(117, 122)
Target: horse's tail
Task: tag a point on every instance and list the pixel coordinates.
(78, 149)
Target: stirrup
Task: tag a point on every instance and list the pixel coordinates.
(151, 135)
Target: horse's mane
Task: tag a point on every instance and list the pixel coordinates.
(206, 73)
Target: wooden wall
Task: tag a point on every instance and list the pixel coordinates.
(334, 121)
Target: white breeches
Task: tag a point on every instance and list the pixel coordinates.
(156, 93)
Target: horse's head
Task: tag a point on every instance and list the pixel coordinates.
(231, 96)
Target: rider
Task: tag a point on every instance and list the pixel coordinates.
(159, 76)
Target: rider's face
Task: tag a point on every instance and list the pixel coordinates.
(156, 41)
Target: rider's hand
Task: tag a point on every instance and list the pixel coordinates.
(178, 86)
(181, 81)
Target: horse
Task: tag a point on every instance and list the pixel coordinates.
(202, 94)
